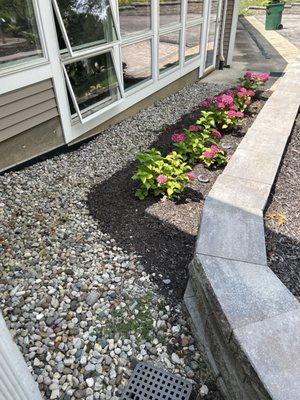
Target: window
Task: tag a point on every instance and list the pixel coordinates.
(92, 83)
(19, 37)
(169, 50)
(136, 63)
(210, 47)
(85, 23)
(91, 79)
(194, 9)
(134, 16)
(169, 12)
(192, 42)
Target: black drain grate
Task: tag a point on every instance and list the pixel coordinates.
(151, 383)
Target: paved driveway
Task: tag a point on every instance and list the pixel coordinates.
(291, 27)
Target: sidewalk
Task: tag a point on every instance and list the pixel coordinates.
(257, 50)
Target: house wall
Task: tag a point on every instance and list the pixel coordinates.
(30, 124)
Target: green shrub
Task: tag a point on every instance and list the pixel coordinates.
(161, 176)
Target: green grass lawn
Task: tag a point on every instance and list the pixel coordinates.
(246, 3)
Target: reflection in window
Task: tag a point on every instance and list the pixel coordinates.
(192, 42)
(136, 62)
(134, 16)
(214, 9)
(87, 22)
(194, 8)
(210, 45)
(169, 48)
(169, 12)
(94, 83)
(19, 38)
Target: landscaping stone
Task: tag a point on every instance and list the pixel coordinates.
(231, 232)
(272, 348)
(252, 165)
(240, 192)
(84, 343)
(234, 291)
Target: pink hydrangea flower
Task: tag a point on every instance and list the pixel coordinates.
(216, 134)
(248, 102)
(251, 93)
(239, 114)
(233, 107)
(229, 92)
(220, 105)
(193, 128)
(208, 154)
(205, 103)
(263, 77)
(178, 137)
(250, 75)
(162, 179)
(227, 99)
(231, 113)
(214, 149)
(191, 176)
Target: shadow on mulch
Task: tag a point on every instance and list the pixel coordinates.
(163, 234)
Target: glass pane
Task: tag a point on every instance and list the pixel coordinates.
(210, 45)
(169, 12)
(169, 48)
(134, 16)
(94, 83)
(195, 9)
(192, 43)
(19, 38)
(136, 62)
(87, 22)
(214, 9)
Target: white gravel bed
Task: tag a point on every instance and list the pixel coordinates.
(82, 310)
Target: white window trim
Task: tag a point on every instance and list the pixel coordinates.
(71, 91)
(29, 63)
(96, 46)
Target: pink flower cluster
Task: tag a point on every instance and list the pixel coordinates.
(178, 137)
(162, 179)
(235, 114)
(191, 176)
(253, 76)
(243, 92)
(206, 103)
(212, 152)
(216, 134)
(194, 128)
(223, 100)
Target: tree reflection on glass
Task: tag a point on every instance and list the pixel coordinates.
(19, 38)
(87, 22)
(94, 82)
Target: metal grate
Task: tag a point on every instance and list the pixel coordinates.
(151, 383)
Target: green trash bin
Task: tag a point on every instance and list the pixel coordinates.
(273, 16)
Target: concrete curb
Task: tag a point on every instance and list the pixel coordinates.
(245, 319)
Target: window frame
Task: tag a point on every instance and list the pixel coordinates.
(72, 53)
(71, 91)
(24, 63)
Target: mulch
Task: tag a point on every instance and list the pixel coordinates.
(282, 217)
(162, 233)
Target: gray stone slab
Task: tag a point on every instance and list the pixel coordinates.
(289, 85)
(280, 107)
(241, 292)
(231, 232)
(272, 347)
(240, 192)
(258, 143)
(252, 165)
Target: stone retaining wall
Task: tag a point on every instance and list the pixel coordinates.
(246, 321)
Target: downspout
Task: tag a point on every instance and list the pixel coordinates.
(221, 55)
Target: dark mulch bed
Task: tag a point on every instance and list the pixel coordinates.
(282, 218)
(163, 234)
